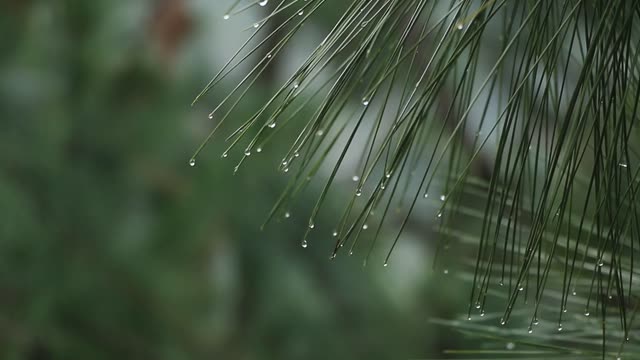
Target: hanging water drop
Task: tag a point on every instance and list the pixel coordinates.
(623, 165)
(560, 327)
(247, 152)
(304, 243)
(439, 214)
(385, 264)
(311, 225)
(226, 16)
(355, 178)
(320, 132)
(263, 2)
(600, 263)
(446, 271)
(334, 233)
(350, 252)
(224, 154)
(365, 227)
(358, 192)
(272, 125)
(443, 198)
(259, 150)
(536, 321)
(365, 101)
(211, 116)
(192, 162)
(530, 330)
(287, 214)
(301, 12)
(502, 322)
(460, 26)
(586, 313)
(426, 195)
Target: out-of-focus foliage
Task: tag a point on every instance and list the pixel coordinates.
(112, 247)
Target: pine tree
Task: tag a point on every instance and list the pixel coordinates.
(516, 120)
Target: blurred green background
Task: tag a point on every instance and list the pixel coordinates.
(112, 247)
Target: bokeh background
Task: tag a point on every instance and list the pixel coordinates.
(113, 247)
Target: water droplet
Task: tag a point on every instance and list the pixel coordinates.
(510, 346)
(365, 102)
(259, 150)
(574, 293)
(296, 154)
(311, 225)
(623, 165)
(520, 288)
(501, 283)
(477, 305)
(530, 330)
(446, 271)
(502, 322)
(211, 116)
(296, 85)
(304, 243)
(226, 16)
(387, 175)
(286, 169)
(560, 327)
(263, 2)
(334, 233)
(439, 215)
(320, 132)
(287, 215)
(269, 56)
(358, 192)
(247, 152)
(272, 125)
(469, 318)
(482, 313)
(586, 313)
(301, 12)
(460, 26)
(256, 25)
(536, 321)
(192, 162)
(355, 178)
(365, 227)
(224, 154)
(600, 263)
(426, 195)
(350, 252)
(564, 310)
(443, 198)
